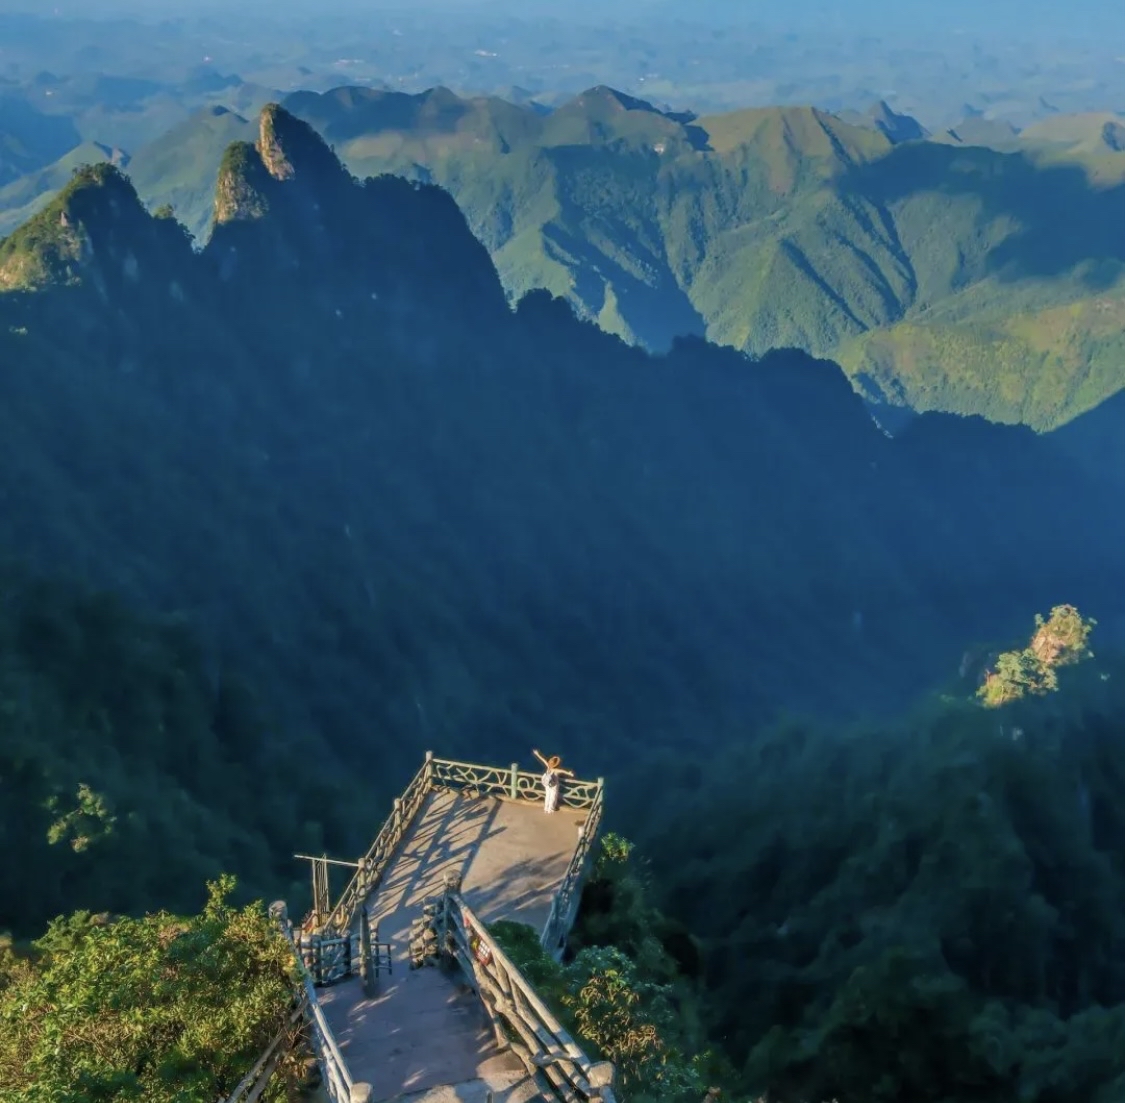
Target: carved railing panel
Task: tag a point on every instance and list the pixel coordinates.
(511, 783)
(334, 1072)
(494, 781)
(520, 1019)
(565, 904)
(374, 863)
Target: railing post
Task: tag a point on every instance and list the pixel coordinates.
(514, 785)
(398, 815)
(360, 1093)
(366, 964)
(429, 767)
(451, 885)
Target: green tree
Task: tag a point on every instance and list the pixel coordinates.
(153, 1010)
(1060, 640)
(632, 1023)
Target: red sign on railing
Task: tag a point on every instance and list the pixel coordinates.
(479, 948)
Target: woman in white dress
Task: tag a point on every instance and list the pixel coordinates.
(552, 780)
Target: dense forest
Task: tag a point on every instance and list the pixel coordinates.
(130, 773)
(315, 500)
(929, 910)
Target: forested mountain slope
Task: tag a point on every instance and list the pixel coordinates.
(415, 518)
(945, 274)
(976, 270)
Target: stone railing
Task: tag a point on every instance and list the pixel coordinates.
(506, 783)
(374, 863)
(564, 906)
(521, 1021)
(510, 783)
(337, 1080)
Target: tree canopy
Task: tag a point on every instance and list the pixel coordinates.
(159, 1009)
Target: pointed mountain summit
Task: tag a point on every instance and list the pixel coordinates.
(351, 244)
(95, 229)
(367, 123)
(603, 96)
(288, 145)
(287, 149)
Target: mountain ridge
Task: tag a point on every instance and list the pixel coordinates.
(366, 392)
(903, 226)
(918, 263)
(900, 256)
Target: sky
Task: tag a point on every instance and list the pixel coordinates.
(1104, 19)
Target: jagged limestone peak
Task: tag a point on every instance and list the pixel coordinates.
(288, 146)
(273, 127)
(54, 245)
(243, 184)
(288, 149)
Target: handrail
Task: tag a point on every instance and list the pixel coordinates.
(532, 1031)
(251, 1086)
(509, 783)
(374, 863)
(566, 900)
(334, 1070)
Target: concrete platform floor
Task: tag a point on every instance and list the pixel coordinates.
(422, 1037)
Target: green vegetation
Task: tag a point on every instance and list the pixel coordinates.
(406, 514)
(130, 772)
(938, 272)
(933, 910)
(261, 437)
(152, 1010)
(624, 993)
(23, 197)
(352, 506)
(935, 270)
(179, 168)
(1059, 641)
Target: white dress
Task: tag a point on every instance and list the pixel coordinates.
(551, 786)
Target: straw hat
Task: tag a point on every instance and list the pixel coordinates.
(554, 762)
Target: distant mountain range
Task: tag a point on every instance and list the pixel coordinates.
(977, 270)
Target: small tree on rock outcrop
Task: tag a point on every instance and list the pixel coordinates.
(1059, 640)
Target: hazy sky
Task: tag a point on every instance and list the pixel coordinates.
(1104, 19)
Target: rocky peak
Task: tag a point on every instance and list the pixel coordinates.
(288, 151)
(273, 132)
(243, 185)
(896, 127)
(288, 145)
(97, 217)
